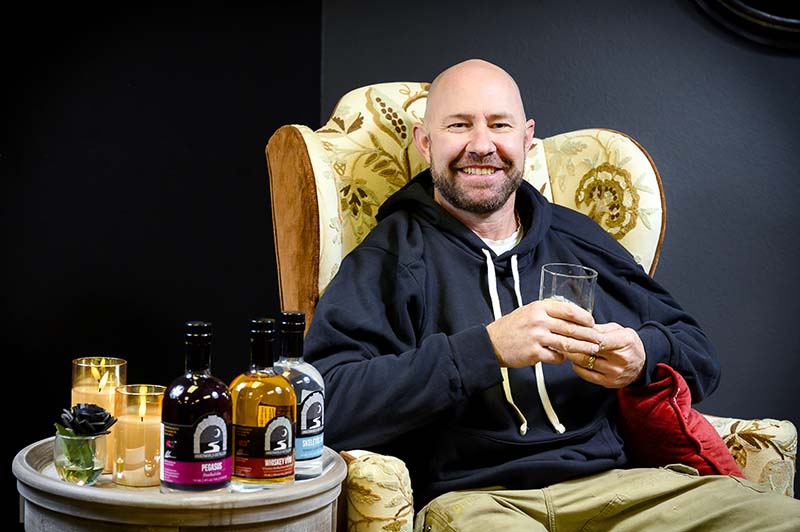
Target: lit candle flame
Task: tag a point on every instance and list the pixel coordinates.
(142, 402)
(103, 381)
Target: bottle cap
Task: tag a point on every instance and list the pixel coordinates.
(262, 326)
(198, 331)
(293, 321)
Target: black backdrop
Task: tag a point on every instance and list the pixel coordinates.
(135, 192)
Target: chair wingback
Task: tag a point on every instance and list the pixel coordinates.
(611, 178)
(326, 185)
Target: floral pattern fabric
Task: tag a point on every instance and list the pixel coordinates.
(607, 176)
(378, 493)
(765, 450)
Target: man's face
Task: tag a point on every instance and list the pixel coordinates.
(475, 139)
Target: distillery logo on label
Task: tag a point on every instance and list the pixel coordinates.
(278, 437)
(210, 438)
(312, 417)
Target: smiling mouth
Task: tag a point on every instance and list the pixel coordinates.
(478, 170)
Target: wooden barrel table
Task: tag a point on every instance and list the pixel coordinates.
(49, 503)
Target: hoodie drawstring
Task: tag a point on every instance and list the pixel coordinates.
(540, 385)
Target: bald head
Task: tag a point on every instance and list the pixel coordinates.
(473, 75)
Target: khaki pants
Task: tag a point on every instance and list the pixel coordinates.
(669, 499)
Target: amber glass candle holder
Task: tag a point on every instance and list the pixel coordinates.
(137, 439)
(94, 380)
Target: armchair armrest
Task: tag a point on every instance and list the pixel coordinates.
(765, 450)
(377, 493)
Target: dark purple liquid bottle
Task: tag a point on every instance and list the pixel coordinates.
(196, 421)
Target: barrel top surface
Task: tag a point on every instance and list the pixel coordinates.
(33, 467)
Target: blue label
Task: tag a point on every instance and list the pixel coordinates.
(307, 448)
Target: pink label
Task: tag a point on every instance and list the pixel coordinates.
(197, 473)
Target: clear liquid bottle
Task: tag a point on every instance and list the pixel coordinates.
(310, 391)
(264, 407)
(196, 421)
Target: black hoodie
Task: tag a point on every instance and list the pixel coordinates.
(400, 339)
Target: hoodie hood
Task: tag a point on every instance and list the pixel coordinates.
(535, 214)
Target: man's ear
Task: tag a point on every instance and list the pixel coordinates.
(530, 125)
(421, 140)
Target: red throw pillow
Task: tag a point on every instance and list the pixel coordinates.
(660, 427)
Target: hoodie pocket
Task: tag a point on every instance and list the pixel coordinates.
(461, 451)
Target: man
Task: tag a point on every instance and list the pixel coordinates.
(434, 348)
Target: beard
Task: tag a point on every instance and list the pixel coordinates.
(458, 195)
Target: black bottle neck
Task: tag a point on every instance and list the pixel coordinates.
(262, 351)
(198, 356)
(292, 344)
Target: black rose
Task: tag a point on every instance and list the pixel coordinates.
(86, 419)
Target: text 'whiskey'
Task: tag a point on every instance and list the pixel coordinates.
(264, 407)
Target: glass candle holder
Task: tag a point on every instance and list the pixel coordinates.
(137, 456)
(94, 380)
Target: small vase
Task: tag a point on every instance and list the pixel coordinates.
(79, 459)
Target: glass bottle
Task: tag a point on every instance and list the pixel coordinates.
(196, 421)
(264, 407)
(310, 391)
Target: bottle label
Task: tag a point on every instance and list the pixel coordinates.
(264, 452)
(196, 454)
(310, 426)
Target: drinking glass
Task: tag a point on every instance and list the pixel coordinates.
(568, 282)
(79, 459)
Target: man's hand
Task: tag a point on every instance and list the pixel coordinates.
(618, 363)
(544, 331)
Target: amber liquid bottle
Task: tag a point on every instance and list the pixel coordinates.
(310, 391)
(264, 408)
(196, 421)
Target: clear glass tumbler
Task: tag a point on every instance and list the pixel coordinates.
(568, 282)
(80, 459)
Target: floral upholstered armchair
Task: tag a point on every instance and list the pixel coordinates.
(326, 187)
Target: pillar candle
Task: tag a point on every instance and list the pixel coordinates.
(138, 450)
(138, 435)
(94, 380)
(103, 397)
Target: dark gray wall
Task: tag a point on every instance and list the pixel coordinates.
(135, 191)
(718, 115)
